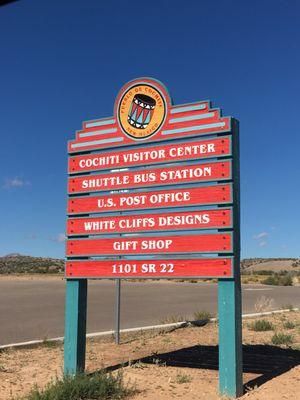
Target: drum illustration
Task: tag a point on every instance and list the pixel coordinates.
(141, 111)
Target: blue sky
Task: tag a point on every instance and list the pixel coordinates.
(63, 62)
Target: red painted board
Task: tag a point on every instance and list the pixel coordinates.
(204, 195)
(204, 219)
(173, 268)
(208, 243)
(151, 177)
(151, 155)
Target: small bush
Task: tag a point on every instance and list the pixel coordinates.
(275, 280)
(271, 280)
(253, 279)
(51, 343)
(286, 280)
(181, 378)
(288, 306)
(202, 315)
(282, 338)
(138, 365)
(171, 319)
(82, 387)
(261, 325)
(289, 325)
(2, 368)
(264, 272)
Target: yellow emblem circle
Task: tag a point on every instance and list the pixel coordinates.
(141, 111)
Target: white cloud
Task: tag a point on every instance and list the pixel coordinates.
(15, 183)
(260, 235)
(60, 238)
(262, 244)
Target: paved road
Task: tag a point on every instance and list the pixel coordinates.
(34, 309)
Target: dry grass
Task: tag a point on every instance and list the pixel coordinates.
(264, 304)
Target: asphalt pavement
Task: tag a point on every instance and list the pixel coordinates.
(34, 309)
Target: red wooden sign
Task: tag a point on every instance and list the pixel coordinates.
(169, 268)
(146, 122)
(204, 195)
(147, 146)
(204, 219)
(152, 177)
(151, 155)
(208, 243)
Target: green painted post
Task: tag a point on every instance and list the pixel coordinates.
(75, 326)
(230, 300)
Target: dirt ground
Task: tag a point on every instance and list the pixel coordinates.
(164, 365)
(31, 277)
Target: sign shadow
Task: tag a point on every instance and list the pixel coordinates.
(266, 361)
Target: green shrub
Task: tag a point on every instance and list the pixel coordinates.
(253, 278)
(287, 306)
(202, 315)
(282, 280)
(261, 325)
(51, 343)
(264, 272)
(289, 325)
(82, 387)
(286, 280)
(182, 378)
(2, 368)
(282, 338)
(271, 280)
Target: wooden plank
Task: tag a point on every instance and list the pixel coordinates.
(147, 155)
(167, 268)
(189, 220)
(195, 196)
(215, 171)
(206, 243)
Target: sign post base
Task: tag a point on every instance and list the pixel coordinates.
(230, 338)
(75, 326)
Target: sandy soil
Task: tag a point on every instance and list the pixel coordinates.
(163, 365)
(31, 277)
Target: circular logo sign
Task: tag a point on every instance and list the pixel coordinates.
(141, 111)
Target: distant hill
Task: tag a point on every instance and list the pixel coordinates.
(249, 265)
(18, 264)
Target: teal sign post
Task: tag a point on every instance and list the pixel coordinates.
(230, 299)
(153, 192)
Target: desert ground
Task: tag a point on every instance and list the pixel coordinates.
(178, 363)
